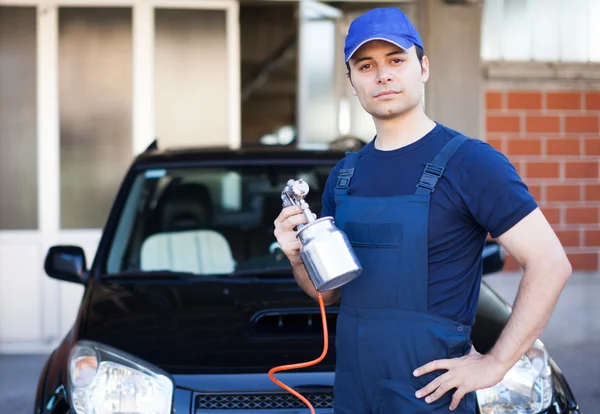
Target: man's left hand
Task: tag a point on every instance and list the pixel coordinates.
(467, 374)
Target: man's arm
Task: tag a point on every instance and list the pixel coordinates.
(535, 246)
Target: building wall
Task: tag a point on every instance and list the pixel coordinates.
(548, 124)
(191, 78)
(453, 93)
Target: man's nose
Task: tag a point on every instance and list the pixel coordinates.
(384, 77)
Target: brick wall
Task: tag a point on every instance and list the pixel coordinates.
(553, 139)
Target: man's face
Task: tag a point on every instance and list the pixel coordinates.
(387, 80)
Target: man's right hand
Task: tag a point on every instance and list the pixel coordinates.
(285, 233)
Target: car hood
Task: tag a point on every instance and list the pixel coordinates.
(237, 325)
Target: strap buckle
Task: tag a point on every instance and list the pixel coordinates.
(430, 177)
(344, 176)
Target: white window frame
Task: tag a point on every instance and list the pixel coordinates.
(143, 131)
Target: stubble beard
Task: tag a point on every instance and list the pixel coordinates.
(395, 111)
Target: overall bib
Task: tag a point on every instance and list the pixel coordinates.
(384, 330)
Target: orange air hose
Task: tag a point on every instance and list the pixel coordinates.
(305, 364)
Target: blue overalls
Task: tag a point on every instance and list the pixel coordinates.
(384, 331)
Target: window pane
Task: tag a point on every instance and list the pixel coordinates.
(516, 42)
(95, 65)
(191, 78)
(593, 22)
(541, 30)
(574, 31)
(492, 29)
(18, 124)
(546, 45)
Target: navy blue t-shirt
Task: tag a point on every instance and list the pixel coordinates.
(479, 193)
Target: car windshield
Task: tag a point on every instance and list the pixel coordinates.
(206, 220)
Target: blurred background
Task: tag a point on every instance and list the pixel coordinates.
(87, 85)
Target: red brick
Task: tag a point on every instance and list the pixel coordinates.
(524, 147)
(563, 146)
(510, 264)
(543, 170)
(493, 100)
(583, 123)
(581, 169)
(563, 100)
(568, 238)
(563, 193)
(591, 146)
(592, 100)
(503, 124)
(583, 261)
(496, 143)
(592, 192)
(582, 215)
(591, 237)
(524, 100)
(543, 124)
(551, 214)
(536, 192)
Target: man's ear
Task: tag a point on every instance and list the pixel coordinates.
(425, 69)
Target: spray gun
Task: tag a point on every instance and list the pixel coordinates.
(328, 258)
(326, 251)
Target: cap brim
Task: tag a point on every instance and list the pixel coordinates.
(401, 42)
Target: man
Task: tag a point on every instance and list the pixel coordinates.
(417, 203)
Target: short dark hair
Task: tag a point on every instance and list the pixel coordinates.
(418, 49)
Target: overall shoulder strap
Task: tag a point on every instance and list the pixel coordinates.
(434, 170)
(346, 172)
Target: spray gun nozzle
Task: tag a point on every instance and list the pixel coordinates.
(293, 194)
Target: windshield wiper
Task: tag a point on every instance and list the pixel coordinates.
(136, 274)
(266, 271)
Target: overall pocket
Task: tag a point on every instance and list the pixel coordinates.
(378, 249)
(376, 235)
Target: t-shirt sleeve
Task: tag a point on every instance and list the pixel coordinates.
(492, 190)
(328, 201)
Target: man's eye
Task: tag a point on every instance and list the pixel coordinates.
(363, 67)
(398, 60)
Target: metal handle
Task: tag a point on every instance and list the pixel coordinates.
(293, 194)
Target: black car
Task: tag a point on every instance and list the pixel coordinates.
(189, 302)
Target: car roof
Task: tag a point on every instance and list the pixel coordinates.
(154, 157)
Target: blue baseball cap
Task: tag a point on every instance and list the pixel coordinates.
(389, 24)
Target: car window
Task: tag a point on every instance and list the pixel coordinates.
(207, 221)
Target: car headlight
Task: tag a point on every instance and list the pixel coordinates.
(103, 380)
(526, 389)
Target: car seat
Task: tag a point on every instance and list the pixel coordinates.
(184, 207)
(182, 240)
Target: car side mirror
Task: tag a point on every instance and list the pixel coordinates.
(493, 258)
(66, 263)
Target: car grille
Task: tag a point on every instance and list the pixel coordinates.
(263, 401)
